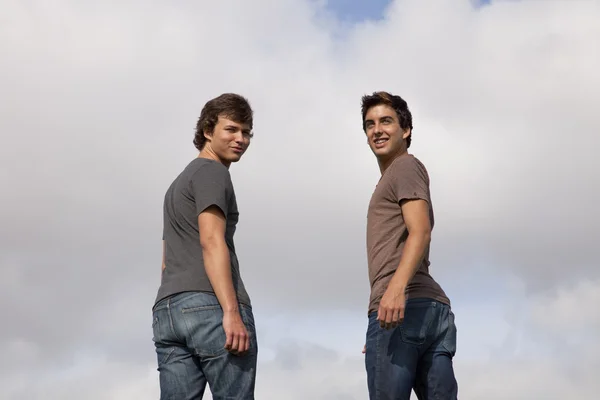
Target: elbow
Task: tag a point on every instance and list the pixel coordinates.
(423, 236)
(211, 241)
(427, 236)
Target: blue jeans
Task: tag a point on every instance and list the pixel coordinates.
(417, 354)
(189, 341)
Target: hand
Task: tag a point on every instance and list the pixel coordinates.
(238, 340)
(364, 349)
(391, 307)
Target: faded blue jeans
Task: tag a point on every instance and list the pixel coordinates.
(417, 354)
(189, 341)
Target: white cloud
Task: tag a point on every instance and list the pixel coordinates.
(98, 114)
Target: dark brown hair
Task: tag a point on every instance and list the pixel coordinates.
(396, 102)
(228, 105)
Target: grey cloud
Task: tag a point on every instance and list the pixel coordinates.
(295, 356)
(320, 373)
(99, 117)
(505, 125)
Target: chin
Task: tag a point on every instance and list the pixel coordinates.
(234, 158)
(384, 156)
(381, 152)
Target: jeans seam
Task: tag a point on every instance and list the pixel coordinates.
(168, 356)
(185, 296)
(171, 324)
(200, 308)
(377, 367)
(450, 330)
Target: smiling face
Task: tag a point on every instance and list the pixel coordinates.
(386, 137)
(228, 141)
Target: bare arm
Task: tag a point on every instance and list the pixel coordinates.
(211, 224)
(416, 218)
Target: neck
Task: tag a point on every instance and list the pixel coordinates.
(384, 163)
(208, 153)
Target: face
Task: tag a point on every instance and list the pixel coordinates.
(229, 140)
(384, 134)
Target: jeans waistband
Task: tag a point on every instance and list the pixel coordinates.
(177, 298)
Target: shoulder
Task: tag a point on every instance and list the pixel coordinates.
(206, 169)
(408, 165)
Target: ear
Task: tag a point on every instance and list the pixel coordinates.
(208, 135)
(406, 134)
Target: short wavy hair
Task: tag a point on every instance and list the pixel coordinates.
(396, 102)
(228, 105)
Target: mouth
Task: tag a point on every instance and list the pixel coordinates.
(237, 150)
(379, 143)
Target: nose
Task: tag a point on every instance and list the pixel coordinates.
(376, 128)
(239, 137)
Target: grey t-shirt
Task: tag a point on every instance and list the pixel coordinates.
(202, 183)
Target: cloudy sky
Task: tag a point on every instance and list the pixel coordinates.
(99, 102)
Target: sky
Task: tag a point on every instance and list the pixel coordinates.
(97, 117)
(353, 11)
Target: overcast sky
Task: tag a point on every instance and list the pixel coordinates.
(97, 114)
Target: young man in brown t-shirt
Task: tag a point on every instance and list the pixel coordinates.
(411, 337)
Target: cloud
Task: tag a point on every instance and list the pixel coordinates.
(98, 115)
(553, 355)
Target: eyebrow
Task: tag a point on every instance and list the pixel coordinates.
(367, 121)
(245, 130)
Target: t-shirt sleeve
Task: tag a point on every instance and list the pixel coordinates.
(410, 181)
(210, 186)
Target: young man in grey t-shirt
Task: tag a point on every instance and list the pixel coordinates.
(203, 324)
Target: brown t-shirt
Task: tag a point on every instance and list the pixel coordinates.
(405, 178)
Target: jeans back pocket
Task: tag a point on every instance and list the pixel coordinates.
(205, 333)
(416, 325)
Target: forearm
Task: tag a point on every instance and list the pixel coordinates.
(218, 269)
(412, 256)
